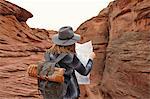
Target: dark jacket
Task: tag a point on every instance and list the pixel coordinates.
(71, 63)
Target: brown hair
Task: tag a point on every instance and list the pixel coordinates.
(62, 49)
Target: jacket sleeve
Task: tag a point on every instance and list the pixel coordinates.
(78, 66)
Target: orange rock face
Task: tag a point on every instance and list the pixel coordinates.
(121, 38)
(19, 47)
(95, 29)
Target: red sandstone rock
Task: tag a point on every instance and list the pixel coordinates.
(19, 47)
(7, 8)
(95, 29)
(120, 34)
(127, 68)
(126, 62)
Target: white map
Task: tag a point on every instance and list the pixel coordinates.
(83, 53)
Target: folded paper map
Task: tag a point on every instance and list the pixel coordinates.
(83, 53)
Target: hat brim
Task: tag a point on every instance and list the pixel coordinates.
(71, 41)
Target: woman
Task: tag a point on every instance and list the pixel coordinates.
(64, 42)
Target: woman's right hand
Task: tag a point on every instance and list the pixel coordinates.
(92, 55)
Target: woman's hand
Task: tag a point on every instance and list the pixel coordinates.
(92, 55)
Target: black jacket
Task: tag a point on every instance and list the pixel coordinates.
(70, 62)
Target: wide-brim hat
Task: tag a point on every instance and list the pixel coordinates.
(65, 36)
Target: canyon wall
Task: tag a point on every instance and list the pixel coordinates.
(19, 46)
(121, 38)
(120, 35)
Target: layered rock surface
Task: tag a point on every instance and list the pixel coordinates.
(19, 46)
(121, 38)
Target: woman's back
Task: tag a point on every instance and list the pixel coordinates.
(64, 44)
(71, 63)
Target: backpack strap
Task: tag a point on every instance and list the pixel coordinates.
(49, 66)
(59, 58)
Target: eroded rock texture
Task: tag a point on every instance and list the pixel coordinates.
(19, 47)
(122, 33)
(121, 38)
(95, 29)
